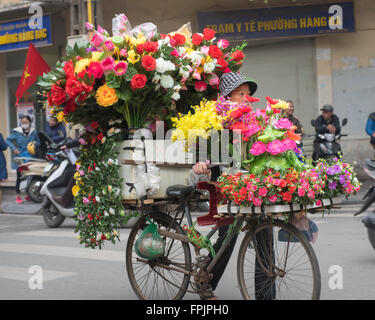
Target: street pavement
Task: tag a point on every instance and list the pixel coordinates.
(71, 271)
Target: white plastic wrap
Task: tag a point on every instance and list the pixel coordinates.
(121, 25)
(148, 29)
(147, 183)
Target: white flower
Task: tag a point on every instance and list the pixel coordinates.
(166, 81)
(163, 66)
(177, 87)
(209, 67)
(175, 96)
(111, 211)
(184, 73)
(97, 199)
(118, 121)
(156, 78)
(111, 122)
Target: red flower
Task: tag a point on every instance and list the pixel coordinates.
(237, 55)
(93, 240)
(58, 95)
(287, 196)
(197, 39)
(208, 34)
(215, 52)
(95, 68)
(140, 48)
(251, 99)
(223, 64)
(94, 125)
(103, 237)
(271, 101)
(151, 46)
(179, 38)
(89, 216)
(69, 69)
(138, 81)
(73, 87)
(149, 63)
(70, 106)
(100, 136)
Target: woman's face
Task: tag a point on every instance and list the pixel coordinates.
(25, 123)
(239, 94)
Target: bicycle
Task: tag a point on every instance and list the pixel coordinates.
(273, 250)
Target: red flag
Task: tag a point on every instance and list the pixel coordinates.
(34, 66)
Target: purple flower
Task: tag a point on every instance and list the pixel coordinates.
(342, 179)
(332, 185)
(336, 168)
(330, 171)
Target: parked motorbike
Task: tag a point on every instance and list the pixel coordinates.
(369, 197)
(54, 213)
(35, 171)
(328, 147)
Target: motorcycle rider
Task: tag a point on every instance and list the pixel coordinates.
(55, 130)
(327, 122)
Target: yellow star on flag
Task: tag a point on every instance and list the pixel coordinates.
(25, 75)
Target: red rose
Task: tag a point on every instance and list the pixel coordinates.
(197, 39)
(238, 55)
(70, 106)
(223, 64)
(287, 196)
(94, 125)
(69, 69)
(208, 34)
(73, 87)
(138, 81)
(100, 136)
(179, 38)
(140, 48)
(215, 52)
(103, 237)
(149, 63)
(96, 69)
(58, 95)
(151, 46)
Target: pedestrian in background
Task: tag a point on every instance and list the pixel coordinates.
(370, 129)
(55, 130)
(18, 142)
(3, 167)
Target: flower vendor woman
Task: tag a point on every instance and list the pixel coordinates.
(235, 87)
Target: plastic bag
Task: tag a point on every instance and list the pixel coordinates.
(150, 244)
(148, 29)
(147, 183)
(121, 25)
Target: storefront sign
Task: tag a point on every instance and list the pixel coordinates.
(16, 35)
(280, 22)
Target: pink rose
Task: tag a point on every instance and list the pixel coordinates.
(275, 147)
(200, 86)
(95, 69)
(86, 201)
(289, 144)
(205, 50)
(262, 192)
(222, 43)
(253, 129)
(120, 68)
(301, 192)
(214, 80)
(196, 75)
(272, 198)
(258, 148)
(318, 203)
(108, 64)
(124, 53)
(174, 53)
(110, 46)
(97, 40)
(257, 202)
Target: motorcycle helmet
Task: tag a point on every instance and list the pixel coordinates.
(31, 148)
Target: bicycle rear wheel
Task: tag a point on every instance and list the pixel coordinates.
(276, 261)
(152, 279)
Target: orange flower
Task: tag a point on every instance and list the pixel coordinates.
(293, 136)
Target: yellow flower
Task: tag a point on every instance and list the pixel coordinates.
(133, 57)
(106, 96)
(61, 117)
(75, 190)
(81, 65)
(96, 56)
(280, 105)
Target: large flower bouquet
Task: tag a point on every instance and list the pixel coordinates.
(137, 74)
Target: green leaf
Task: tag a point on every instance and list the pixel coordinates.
(130, 73)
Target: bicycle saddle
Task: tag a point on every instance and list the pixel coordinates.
(179, 191)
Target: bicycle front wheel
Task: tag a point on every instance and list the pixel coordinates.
(277, 262)
(160, 278)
